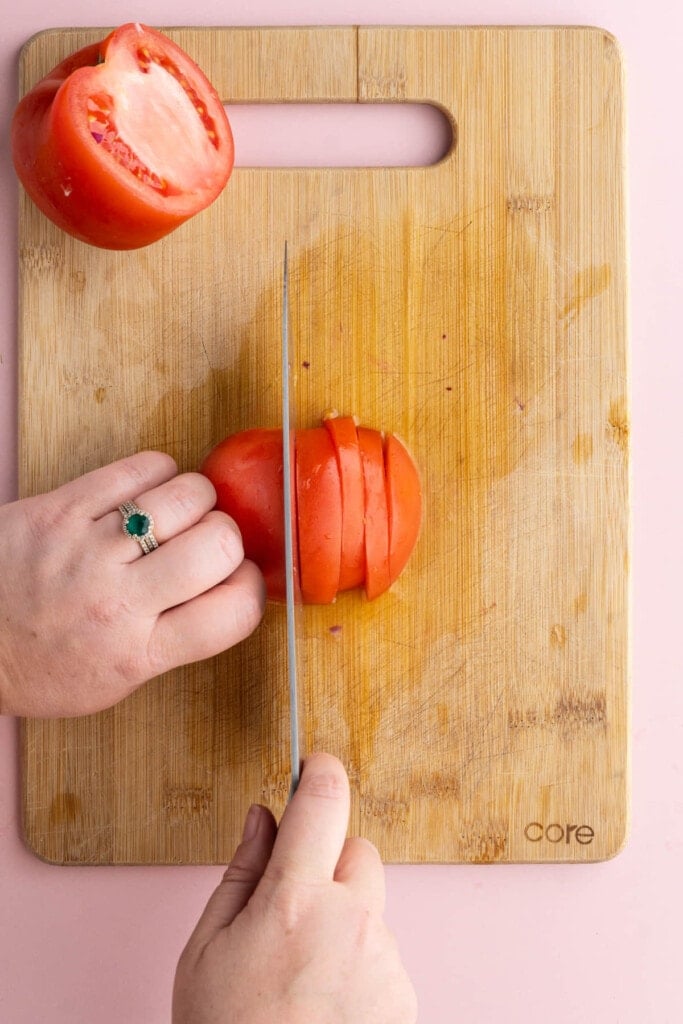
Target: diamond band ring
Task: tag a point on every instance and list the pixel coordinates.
(139, 526)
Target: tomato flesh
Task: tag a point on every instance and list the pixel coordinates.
(319, 515)
(123, 141)
(377, 578)
(404, 502)
(342, 430)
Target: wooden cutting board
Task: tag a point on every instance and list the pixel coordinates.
(477, 308)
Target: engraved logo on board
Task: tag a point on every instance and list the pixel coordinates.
(555, 833)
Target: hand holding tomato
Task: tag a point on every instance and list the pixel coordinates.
(86, 618)
(295, 932)
(123, 141)
(358, 505)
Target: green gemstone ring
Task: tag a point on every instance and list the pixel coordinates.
(139, 526)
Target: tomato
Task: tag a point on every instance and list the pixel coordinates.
(319, 515)
(344, 436)
(358, 506)
(404, 504)
(246, 470)
(376, 513)
(123, 141)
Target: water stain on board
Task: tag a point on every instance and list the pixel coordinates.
(617, 423)
(586, 285)
(65, 809)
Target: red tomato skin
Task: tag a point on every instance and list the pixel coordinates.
(404, 502)
(246, 470)
(377, 577)
(80, 186)
(342, 430)
(319, 515)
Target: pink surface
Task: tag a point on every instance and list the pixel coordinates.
(520, 944)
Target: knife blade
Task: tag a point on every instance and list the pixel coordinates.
(290, 526)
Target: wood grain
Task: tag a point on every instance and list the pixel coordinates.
(478, 309)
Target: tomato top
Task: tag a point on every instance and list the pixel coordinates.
(123, 141)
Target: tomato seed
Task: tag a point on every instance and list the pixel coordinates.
(107, 137)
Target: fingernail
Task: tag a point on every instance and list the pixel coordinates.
(251, 823)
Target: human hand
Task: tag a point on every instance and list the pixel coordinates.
(294, 933)
(85, 618)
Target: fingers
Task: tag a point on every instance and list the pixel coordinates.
(175, 506)
(313, 828)
(187, 565)
(211, 622)
(100, 491)
(242, 875)
(360, 867)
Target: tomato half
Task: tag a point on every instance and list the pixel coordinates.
(123, 141)
(358, 506)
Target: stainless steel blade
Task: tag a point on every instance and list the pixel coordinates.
(290, 526)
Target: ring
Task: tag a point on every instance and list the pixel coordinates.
(139, 526)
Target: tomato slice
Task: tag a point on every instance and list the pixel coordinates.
(342, 430)
(377, 577)
(246, 470)
(123, 141)
(319, 515)
(404, 500)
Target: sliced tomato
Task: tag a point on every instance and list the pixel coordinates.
(123, 141)
(246, 470)
(342, 430)
(353, 492)
(319, 515)
(377, 577)
(404, 501)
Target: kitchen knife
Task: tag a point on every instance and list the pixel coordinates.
(290, 527)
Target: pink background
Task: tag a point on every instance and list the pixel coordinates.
(590, 943)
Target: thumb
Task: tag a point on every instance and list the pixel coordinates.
(241, 876)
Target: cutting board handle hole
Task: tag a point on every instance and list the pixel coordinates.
(340, 134)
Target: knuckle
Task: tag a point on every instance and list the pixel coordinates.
(134, 668)
(229, 540)
(324, 783)
(158, 658)
(241, 874)
(135, 469)
(288, 903)
(104, 612)
(248, 610)
(185, 496)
